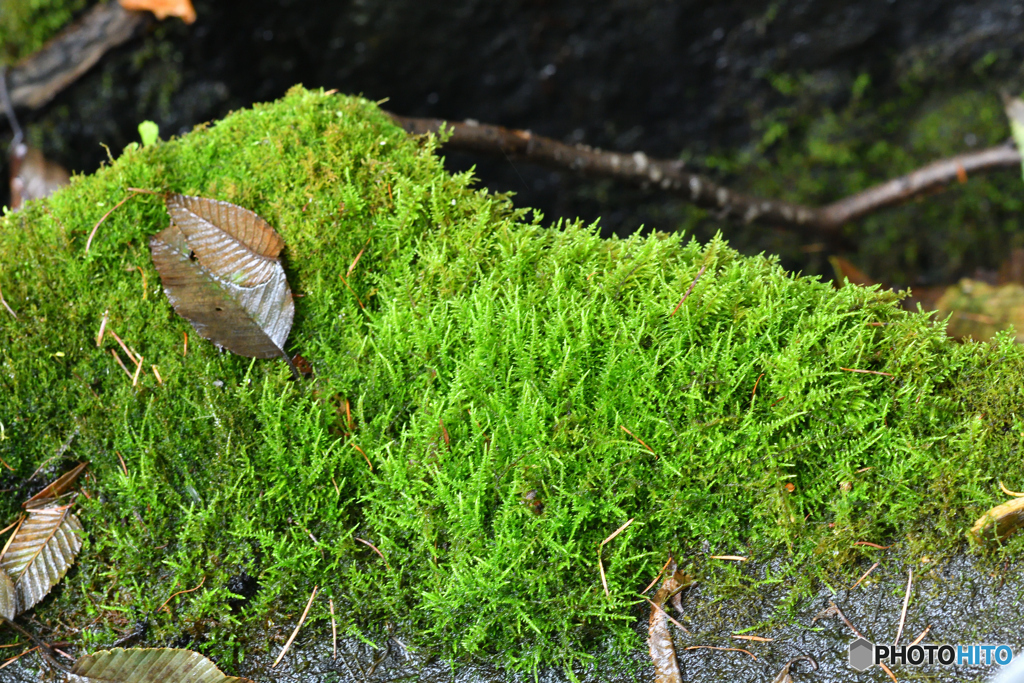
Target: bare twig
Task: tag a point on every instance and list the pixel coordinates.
(38, 78)
(670, 175)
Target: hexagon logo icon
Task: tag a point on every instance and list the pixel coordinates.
(862, 654)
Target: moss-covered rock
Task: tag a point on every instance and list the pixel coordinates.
(490, 400)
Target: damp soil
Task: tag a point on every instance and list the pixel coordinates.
(960, 601)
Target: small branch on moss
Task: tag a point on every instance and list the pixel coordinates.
(9, 309)
(638, 169)
(38, 78)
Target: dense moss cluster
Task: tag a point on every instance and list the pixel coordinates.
(491, 398)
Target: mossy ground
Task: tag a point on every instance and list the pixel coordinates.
(473, 384)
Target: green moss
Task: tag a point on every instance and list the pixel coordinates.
(26, 24)
(489, 369)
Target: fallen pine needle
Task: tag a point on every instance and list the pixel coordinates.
(302, 619)
(96, 227)
(174, 595)
(351, 290)
(864, 575)
(756, 639)
(873, 545)
(1012, 494)
(374, 549)
(103, 327)
(334, 629)
(123, 467)
(9, 309)
(923, 634)
(600, 563)
(906, 601)
(120, 362)
(754, 392)
(728, 649)
(667, 615)
(638, 439)
(184, 350)
(358, 256)
(10, 526)
(156, 373)
(733, 558)
(869, 372)
(124, 347)
(363, 453)
(663, 568)
(138, 369)
(617, 531)
(689, 290)
(888, 671)
(11, 537)
(15, 658)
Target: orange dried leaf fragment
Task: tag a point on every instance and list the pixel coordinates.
(163, 8)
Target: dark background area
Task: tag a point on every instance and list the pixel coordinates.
(700, 80)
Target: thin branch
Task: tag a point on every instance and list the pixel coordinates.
(38, 78)
(669, 175)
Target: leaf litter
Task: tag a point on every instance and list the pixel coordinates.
(220, 268)
(43, 546)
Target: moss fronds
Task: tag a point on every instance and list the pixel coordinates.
(475, 378)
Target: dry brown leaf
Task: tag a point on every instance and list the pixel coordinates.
(845, 269)
(33, 176)
(8, 596)
(161, 665)
(1000, 521)
(220, 269)
(659, 639)
(56, 488)
(163, 8)
(40, 553)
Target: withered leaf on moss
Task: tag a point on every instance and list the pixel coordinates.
(999, 522)
(40, 552)
(139, 665)
(8, 596)
(220, 270)
(55, 489)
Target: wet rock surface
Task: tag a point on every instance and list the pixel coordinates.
(960, 601)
